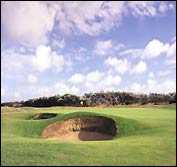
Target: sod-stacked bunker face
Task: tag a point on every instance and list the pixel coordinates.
(82, 128)
(44, 116)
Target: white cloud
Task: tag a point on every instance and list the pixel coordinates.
(74, 90)
(153, 49)
(120, 65)
(102, 47)
(139, 67)
(43, 91)
(168, 86)
(58, 43)
(151, 75)
(94, 76)
(171, 55)
(171, 52)
(148, 8)
(163, 87)
(62, 88)
(164, 73)
(151, 83)
(2, 92)
(142, 8)
(17, 95)
(22, 49)
(77, 78)
(13, 63)
(26, 22)
(112, 80)
(107, 47)
(133, 52)
(153, 86)
(100, 16)
(170, 62)
(96, 81)
(164, 6)
(58, 61)
(43, 59)
(119, 46)
(79, 55)
(31, 22)
(136, 87)
(32, 78)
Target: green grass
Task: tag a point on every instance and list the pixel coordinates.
(145, 136)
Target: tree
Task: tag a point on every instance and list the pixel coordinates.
(144, 99)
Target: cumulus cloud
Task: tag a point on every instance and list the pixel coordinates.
(120, 65)
(153, 86)
(77, 78)
(151, 75)
(107, 47)
(153, 49)
(123, 65)
(43, 59)
(17, 96)
(58, 61)
(102, 47)
(104, 81)
(62, 88)
(74, 90)
(171, 52)
(26, 22)
(112, 80)
(171, 55)
(136, 87)
(94, 76)
(32, 78)
(95, 81)
(139, 68)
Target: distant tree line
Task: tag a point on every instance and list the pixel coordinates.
(96, 99)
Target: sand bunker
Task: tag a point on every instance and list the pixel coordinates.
(82, 128)
(44, 116)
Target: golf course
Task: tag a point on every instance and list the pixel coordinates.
(144, 135)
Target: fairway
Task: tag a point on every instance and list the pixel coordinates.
(145, 136)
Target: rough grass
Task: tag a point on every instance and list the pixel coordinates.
(146, 136)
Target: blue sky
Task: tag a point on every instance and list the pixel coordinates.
(51, 48)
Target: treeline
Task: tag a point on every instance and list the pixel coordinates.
(96, 99)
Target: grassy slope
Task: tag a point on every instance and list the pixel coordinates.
(156, 145)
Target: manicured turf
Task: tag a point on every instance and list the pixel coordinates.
(145, 136)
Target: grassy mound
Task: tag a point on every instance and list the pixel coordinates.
(24, 126)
